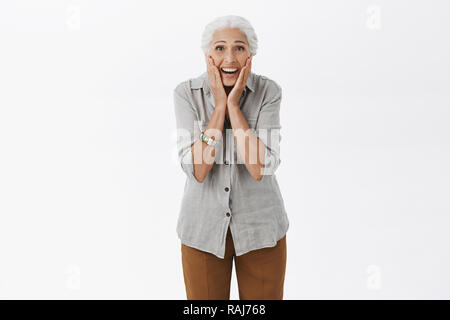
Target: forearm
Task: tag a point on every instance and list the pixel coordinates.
(249, 146)
(204, 154)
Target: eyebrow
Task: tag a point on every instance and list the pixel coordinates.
(234, 41)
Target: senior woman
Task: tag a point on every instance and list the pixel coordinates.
(228, 123)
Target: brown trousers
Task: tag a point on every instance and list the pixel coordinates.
(260, 273)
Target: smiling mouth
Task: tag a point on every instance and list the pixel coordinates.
(229, 70)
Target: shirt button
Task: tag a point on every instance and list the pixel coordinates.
(228, 214)
(226, 189)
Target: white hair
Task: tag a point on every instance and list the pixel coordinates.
(230, 21)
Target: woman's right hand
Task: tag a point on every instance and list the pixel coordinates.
(215, 82)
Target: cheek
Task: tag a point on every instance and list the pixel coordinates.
(214, 56)
(217, 60)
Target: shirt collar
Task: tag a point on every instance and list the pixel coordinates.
(203, 82)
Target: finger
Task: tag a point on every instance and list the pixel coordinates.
(247, 73)
(212, 76)
(216, 73)
(239, 81)
(212, 62)
(207, 61)
(208, 65)
(249, 69)
(245, 68)
(213, 71)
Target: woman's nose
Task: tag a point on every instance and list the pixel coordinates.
(229, 57)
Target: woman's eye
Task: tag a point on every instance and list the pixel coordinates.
(221, 47)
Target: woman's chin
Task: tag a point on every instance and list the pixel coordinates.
(228, 82)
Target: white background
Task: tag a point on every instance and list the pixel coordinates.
(90, 186)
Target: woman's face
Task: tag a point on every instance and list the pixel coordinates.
(229, 49)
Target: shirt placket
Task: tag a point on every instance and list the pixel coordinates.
(227, 182)
(230, 153)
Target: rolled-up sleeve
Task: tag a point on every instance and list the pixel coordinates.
(187, 129)
(268, 128)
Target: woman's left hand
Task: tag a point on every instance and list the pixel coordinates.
(235, 95)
